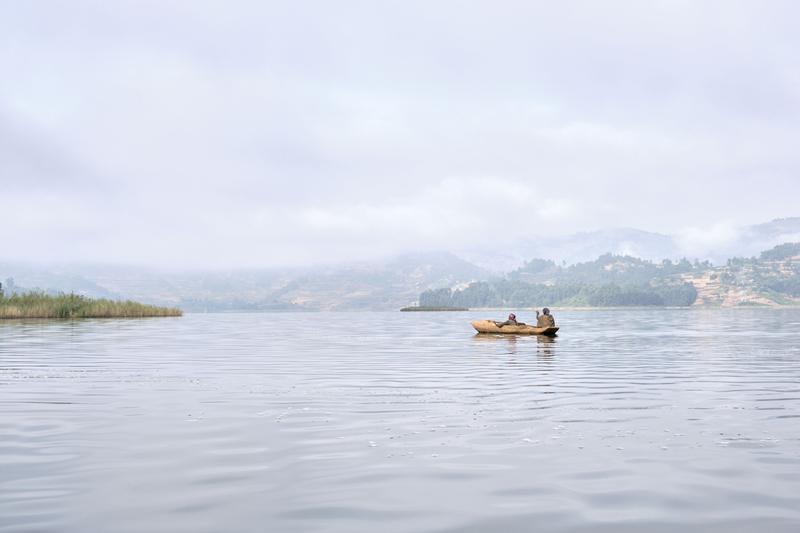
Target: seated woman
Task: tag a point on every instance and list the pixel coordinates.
(545, 320)
(512, 321)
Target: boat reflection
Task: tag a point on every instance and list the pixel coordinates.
(545, 346)
(511, 340)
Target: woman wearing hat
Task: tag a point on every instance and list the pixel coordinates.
(512, 321)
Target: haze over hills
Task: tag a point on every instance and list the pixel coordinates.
(575, 248)
(716, 244)
(386, 284)
(394, 282)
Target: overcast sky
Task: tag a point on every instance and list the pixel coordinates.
(266, 133)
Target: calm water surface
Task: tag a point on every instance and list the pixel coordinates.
(630, 420)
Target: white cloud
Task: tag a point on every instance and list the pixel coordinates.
(252, 133)
(697, 241)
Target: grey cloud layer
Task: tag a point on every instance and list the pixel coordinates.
(252, 133)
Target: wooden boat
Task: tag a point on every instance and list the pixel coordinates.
(489, 326)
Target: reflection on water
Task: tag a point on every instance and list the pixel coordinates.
(509, 340)
(545, 345)
(660, 420)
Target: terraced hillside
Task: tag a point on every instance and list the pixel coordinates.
(772, 279)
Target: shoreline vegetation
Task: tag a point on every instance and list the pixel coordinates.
(72, 306)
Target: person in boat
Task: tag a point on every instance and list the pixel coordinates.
(545, 320)
(512, 321)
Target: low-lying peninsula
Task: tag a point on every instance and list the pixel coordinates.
(40, 305)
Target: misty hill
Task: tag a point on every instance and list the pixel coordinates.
(753, 239)
(576, 248)
(582, 247)
(771, 279)
(387, 284)
(626, 258)
(610, 280)
(153, 286)
(23, 277)
(608, 268)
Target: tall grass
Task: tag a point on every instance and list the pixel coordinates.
(40, 305)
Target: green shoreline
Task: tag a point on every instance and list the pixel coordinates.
(72, 306)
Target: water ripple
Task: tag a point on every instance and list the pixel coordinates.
(630, 420)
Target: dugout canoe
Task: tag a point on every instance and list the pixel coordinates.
(489, 326)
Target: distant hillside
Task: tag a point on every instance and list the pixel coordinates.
(585, 247)
(784, 229)
(772, 279)
(577, 248)
(201, 290)
(628, 261)
(388, 284)
(53, 281)
(608, 268)
(610, 280)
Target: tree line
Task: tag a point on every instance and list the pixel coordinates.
(511, 293)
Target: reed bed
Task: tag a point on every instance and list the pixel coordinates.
(40, 305)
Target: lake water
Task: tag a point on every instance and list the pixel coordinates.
(630, 420)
